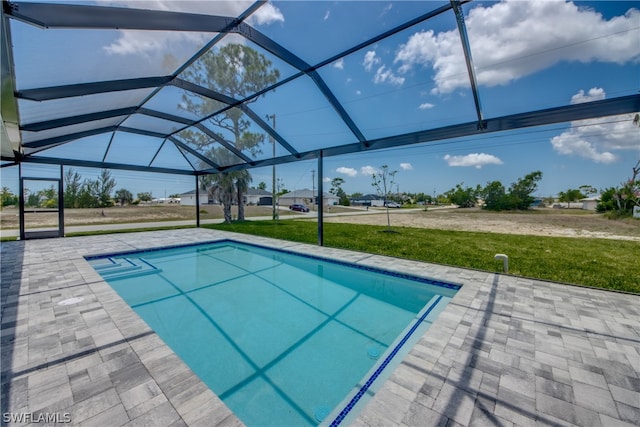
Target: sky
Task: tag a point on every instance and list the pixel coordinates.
(528, 55)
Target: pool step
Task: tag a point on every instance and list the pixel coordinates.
(121, 268)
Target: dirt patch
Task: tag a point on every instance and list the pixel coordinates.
(539, 222)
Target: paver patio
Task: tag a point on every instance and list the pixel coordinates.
(506, 351)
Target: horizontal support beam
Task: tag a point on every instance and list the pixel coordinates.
(590, 110)
(565, 114)
(203, 91)
(47, 15)
(12, 161)
(103, 165)
(68, 121)
(74, 120)
(165, 116)
(83, 89)
(69, 137)
(142, 132)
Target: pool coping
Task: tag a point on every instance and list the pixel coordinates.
(505, 349)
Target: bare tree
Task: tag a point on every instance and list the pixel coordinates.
(384, 181)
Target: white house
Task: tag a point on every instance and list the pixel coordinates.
(166, 200)
(189, 198)
(255, 196)
(307, 197)
(590, 203)
(368, 200)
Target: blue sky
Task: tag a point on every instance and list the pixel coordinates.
(529, 55)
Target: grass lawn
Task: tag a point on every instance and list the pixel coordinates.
(610, 264)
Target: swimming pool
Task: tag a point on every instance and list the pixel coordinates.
(282, 338)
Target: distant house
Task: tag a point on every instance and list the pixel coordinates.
(537, 202)
(307, 197)
(590, 203)
(255, 196)
(166, 200)
(368, 200)
(189, 198)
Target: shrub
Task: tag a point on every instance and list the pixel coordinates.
(619, 202)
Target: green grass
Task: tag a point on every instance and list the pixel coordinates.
(126, 230)
(610, 264)
(100, 232)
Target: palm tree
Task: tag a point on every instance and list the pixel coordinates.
(242, 180)
(220, 186)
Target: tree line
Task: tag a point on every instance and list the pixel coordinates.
(99, 192)
(495, 196)
(78, 193)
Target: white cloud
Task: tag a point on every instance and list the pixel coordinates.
(370, 60)
(406, 166)
(229, 9)
(266, 15)
(476, 160)
(572, 143)
(159, 43)
(597, 139)
(326, 15)
(386, 9)
(347, 171)
(148, 43)
(426, 106)
(594, 94)
(513, 39)
(368, 170)
(385, 75)
(339, 64)
(326, 179)
(358, 92)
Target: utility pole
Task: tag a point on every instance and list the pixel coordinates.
(273, 183)
(313, 191)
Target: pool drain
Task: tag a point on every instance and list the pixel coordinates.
(373, 353)
(321, 412)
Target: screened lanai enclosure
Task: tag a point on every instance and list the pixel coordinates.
(211, 87)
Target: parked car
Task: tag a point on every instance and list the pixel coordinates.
(299, 208)
(392, 205)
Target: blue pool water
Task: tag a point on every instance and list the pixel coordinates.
(283, 339)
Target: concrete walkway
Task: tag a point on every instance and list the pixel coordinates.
(505, 352)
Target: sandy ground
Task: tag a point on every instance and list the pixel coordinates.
(543, 222)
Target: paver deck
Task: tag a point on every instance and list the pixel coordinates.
(506, 351)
